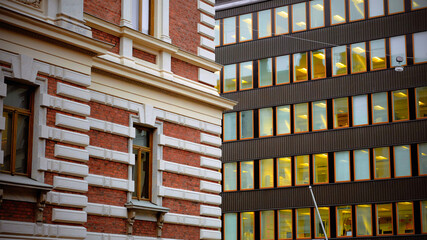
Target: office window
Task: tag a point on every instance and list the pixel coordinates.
(217, 32)
(247, 175)
(142, 16)
(400, 105)
(265, 69)
(363, 220)
(218, 81)
(344, 224)
(266, 168)
(379, 107)
(229, 128)
(264, 23)
(420, 46)
(396, 6)
(300, 67)
(229, 28)
(424, 216)
(245, 27)
(418, 4)
(246, 78)
(339, 60)
(285, 224)
(303, 219)
(338, 15)
(282, 70)
(384, 219)
(318, 64)
(357, 10)
(282, 20)
(397, 49)
(382, 162)
(405, 218)
(230, 176)
(320, 121)
(283, 119)
(324, 214)
(378, 60)
(361, 165)
(229, 78)
(422, 158)
(376, 8)
(301, 117)
(421, 101)
(141, 171)
(17, 134)
(265, 122)
(267, 224)
(230, 226)
(247, 225)
(340, 112)
(402, 161)
(299, 20)
(246, 124)
(302, 170)
(317, 17)
(320, 168)
(284, 172)
(342, 166)
(360, 110)
(358, 57)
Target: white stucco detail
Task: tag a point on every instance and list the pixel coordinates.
(207, 43)
(207, 77)
(210, 211)
(65, 105)
(73, 169)
(111, 155)
(112, 128)
(190, 146)
(206, 53)
(108, 236)
(191, 220)
(209, 234)
(73, 92)
(114, 101)
(210, 139)
(63, 74)
(66, 199)
(70, 184)
(110, 182)
(210, 163)
(205, 31)
(206, 8)
(68, 216)
(210, 187)
(106, 210)
(71, 122)
(41, 230)
(193, 196)
(207, 20)
(189, 170)
(72, 153)
(64, 136)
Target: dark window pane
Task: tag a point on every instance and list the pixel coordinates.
(141, 138)
(17, 96)
(145, 174)
(6, 141)
(22, 144)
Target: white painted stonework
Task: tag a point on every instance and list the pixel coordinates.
(210, 163)
(63, 74)
(209, 234)
(207, 77)
(68, 216)
(77, 154)
(112, 128)
(191, 220)
(205, 53)
(109, 182)
(65, 105)
(106, 210)
(64, 136)
(108, 236)
(114, 101)
(189, 170)
(210, 187)
(70, 184)
(111, 155)
(207, 43)
(213, 199)
(66, 199)
(73, 92)
(205, 31)
(190, 146)
(206, 8)
(210, 140)
(41, 230)
(210, 211)
(74, 123)
(73, 169)
(207, 20)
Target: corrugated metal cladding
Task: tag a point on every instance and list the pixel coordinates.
(349, 85)
(327, 141)
(377, 28)
(377, 191)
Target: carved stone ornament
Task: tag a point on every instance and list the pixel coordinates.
(130, 221)
(160, 221)
(41, 204)
(32, 3)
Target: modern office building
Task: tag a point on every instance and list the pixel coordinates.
(323, 102)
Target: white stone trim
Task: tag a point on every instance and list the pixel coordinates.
(66, 199)
(209, 234)
(64, 136)
(210, 211)
(210, 163)
(110, 182)
(74, 169)
(193, 196)
(108, 236)
(42, 229)
(189, 170)
(68, 216)
(207, 77)
(210, 187)
(205, 31)
(208, 20)
(65, 105)
(207, 43)
(71, 122)
(111, 155)
(212, 2)
(190, 146)
(63, 74)
(106, 210)
(206, 8)
(66, 90)
(210, 140)
(70, 184)
(205, 53)
(112, 128)
(191, 220)
(114, 101)
(77, 154)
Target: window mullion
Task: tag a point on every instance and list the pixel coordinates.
(13, 140)
(138, 174)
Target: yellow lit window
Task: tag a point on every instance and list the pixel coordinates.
(363, 220)
(382, 162)
(405, 218)
(284, 172)
(303, 219)
(318, 63)
(266, 173)
(378, 60)
(400, 105)
(424, 216)
(320, 168)
(339, 60)
(324, 214)
(283, 119)
(341, 112)
(421, 102)
(379, 107)
(358, 57)
(344, 221)
(246, 81)
(229, 78)
(247, 225)
(267, 225)
(384, 219)
(301, 117)
(246, 175)
(285, 224)
(357, 10)
(302, 170)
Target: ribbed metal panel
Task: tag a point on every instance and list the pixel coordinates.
(327, 141)
(349, 85)
(377, 28)
(378, 191)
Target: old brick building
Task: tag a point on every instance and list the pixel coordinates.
(110, 121)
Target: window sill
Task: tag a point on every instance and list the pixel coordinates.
(145, 210)
(145, 206)
(23, 182)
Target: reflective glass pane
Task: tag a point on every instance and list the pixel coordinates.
(230, 176)
(317, 18)
(338, 11)
(361, 164)
(382, 162)
(420, 46)
(264, 23)
(342, 166)
(320, 168)
(284, 172)
(230, 130)
(300, 67)
(265, 122)
(247, 175)
(218, 81)
(357, 10)
(384, 219)
(285, 224)
(266, 173)
(397, 49)
(282, 69)
(422, 158)
(265, 72)
(340, 112)
(376, 8)
(378, 60)
(301, 117)
(418, 4)
(302, 170)
(245, 27)
(360, 110)
(299, 20)
(303, 223)
(247, 226)
(400, 105)
(319, 115)
(421, 102)
(282, 20)
(379, 107)
(324, 214)
(17, 96)
(142, 138)
(318, 63)
(6, 142)
(405, 218)
(402, 161)
(246, 79)
(229, 26)
(396, 6)
(21, 145)
(424, 216)
(246, 124)
(229, 78)
(339, 58)
(358, 57)
(217, 32)
(283, 119)
(344, 225)
(230, 226)
(364, 220)
(267, 225)
(145, 174)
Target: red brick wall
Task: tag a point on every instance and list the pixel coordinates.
(182, 206)
(183, 19)
(109, 114)
(184, 69)
(145, 228)
(180, 231)
(17, 211)
(178, 181)
(106, 37)
(108, 10)
(144, 55)
(181, 156)
(106, 196)
(105, 224)
(181, 132)
(108, 140)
